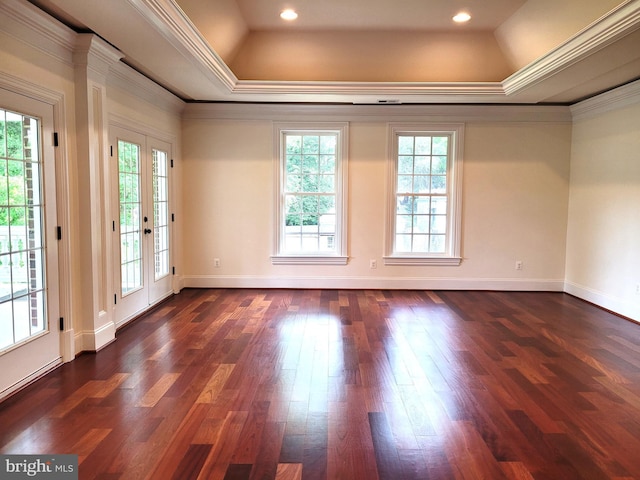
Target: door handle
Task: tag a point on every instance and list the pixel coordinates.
(147, 231)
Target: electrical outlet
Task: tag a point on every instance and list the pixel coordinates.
(637, 288)
(373, 263)
(216, 262)
(518, 264)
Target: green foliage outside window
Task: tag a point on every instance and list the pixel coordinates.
(12, 179)
(129, 178)
(310, 178)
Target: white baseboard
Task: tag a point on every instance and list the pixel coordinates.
(41, 372)
(617, 305)
(390, 283)
(68, 349)
(178, 284)
(94, 340)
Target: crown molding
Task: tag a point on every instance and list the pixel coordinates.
(38, 29)
(373, 92)
(169, 19)
(616, 24)
(127, 79)
(378, 113)
(620, 97)
(369, 88)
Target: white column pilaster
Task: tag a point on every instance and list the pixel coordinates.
(92, 59)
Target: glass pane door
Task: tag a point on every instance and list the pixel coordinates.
(143, 200)
(22, 273)
(29, 277)
(129, 174)
(160, 213)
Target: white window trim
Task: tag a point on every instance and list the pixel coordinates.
(339, 257)
(454, 185)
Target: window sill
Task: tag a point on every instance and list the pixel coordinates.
(421, 261)
(308, 260)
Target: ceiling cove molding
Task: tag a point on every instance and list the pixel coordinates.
(125, 78)
(616, 24)
(372, 92)
(620, 97)
(369, 88)
(169, 19)
(36, 28)
(509, 114)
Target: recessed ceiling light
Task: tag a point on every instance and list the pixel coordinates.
(462, 17)
(288, 14)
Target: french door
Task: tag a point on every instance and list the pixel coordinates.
(141, 196)
(29, 295)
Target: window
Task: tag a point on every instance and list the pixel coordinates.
(425, 173)
(22, 272)
(311, 178)
(160, 180)
(129, 171)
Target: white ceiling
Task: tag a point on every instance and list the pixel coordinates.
(575, 50)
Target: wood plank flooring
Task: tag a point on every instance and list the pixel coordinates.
(347, 384)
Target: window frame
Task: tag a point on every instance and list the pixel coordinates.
(452, 255)
(339, 256)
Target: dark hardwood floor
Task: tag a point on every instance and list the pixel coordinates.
(347, 384)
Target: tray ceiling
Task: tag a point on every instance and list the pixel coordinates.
(370, 51)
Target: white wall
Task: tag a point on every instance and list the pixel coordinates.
(603, 234)
(515, 197)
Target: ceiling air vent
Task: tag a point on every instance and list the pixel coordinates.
(380, 101)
